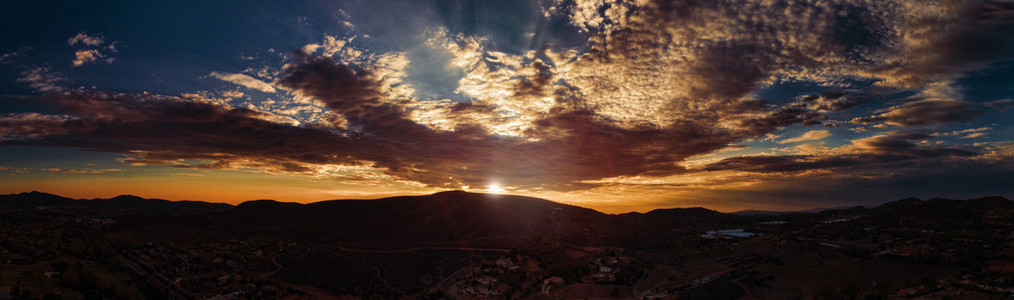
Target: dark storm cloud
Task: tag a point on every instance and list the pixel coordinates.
(896, 149)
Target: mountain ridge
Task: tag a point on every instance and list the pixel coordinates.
(35, 199)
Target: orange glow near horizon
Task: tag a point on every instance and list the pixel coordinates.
(234, 187)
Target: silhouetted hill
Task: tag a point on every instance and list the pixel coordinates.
(900, 204)
(692, 215)
(755, 212)
(446, 216)
(404, 247)
(135, 204)
(32, 200)
(462, 216)
(118, 204)
(937, 210)
(257, 205)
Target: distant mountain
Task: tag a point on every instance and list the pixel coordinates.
(118, 204)
(693, 218)
(937, 210)
(692, 214)
(458, 216)
(32, 200)
(754, 212)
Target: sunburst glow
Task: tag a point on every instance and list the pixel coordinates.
(495, 188)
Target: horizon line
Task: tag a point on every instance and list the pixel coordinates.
(810, 210)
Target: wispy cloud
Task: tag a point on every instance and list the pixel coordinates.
(245, 81)
(80, 171)
(44, 79)
(811, 135)
(872, 152)
(10, 57)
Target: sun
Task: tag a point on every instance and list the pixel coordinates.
(495, 188)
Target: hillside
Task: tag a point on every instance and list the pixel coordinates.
(461, 245)
(446, 216)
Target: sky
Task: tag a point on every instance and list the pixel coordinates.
(618, 106)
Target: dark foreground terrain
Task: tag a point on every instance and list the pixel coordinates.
(457, 245)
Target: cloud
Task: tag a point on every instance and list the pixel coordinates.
(162, 129)
(15, 170)
(925, 112)
(22, 126)
(90, 49)
(85, 39)
(970, 133)
(80, 171)
(939, 103)
(11, 57)
(1000, 105)
(334, 47)
(568, 146)
(876, 152)
(43, 79)
(245, 81)
(811, 135)
(728, 48)
(233, 94)
(565, 145)
(85, 56)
